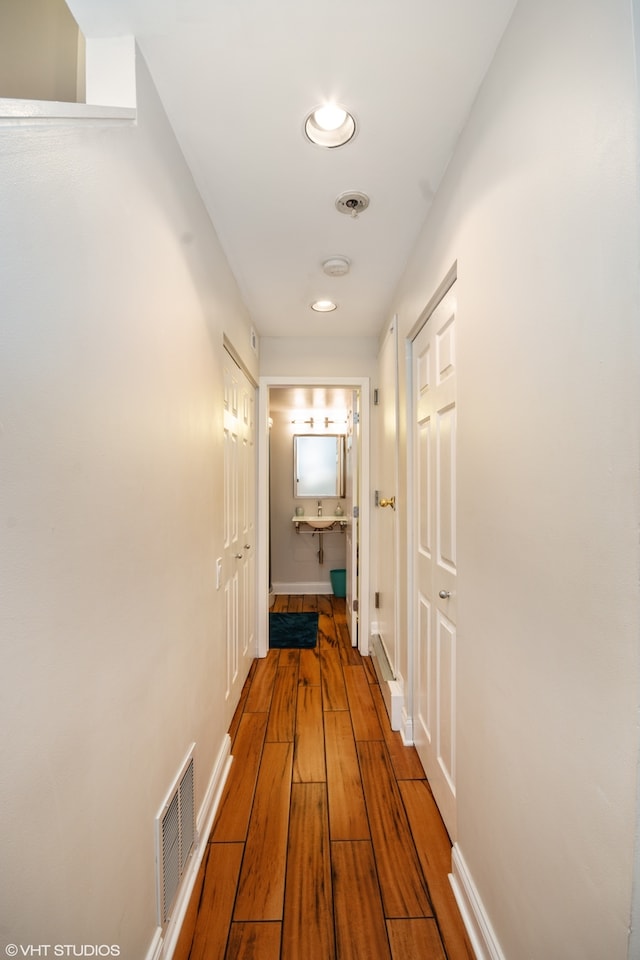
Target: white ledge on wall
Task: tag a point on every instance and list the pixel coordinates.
(110, 84)
(26, 112)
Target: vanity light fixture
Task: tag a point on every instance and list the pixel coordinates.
(337, 423)
(324, 306)
(330, 125)
(327, 421)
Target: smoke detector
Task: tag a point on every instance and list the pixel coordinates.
(336, 266)
(352, 202)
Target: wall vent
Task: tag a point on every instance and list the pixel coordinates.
(175, 837)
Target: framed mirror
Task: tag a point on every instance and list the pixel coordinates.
(318, 465)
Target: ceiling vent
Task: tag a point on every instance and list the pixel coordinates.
(352, 202)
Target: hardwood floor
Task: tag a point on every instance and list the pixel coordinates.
(327, 843)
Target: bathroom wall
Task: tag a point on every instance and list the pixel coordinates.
(294, 561)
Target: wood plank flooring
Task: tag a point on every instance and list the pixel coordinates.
(327, 843)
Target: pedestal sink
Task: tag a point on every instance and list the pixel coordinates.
(318, 523)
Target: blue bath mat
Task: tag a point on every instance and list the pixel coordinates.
(293, 630)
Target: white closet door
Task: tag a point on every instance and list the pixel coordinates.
(434, 561)
(238, 562)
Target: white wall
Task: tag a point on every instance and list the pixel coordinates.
(318, 357)
(114, 299)
(539, 208)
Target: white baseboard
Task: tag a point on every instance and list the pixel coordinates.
(317, 586)
(474, 916)
(155, 950)
(219, 774)
(164, 942)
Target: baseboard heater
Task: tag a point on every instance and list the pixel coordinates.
(175, 837)
(391, 690)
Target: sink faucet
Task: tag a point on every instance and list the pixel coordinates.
(319, 508)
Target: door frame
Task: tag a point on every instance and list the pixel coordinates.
(262, 541)
(392, 674)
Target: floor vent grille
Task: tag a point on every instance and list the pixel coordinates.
(391, 689)
(378, 650)
(175, 837)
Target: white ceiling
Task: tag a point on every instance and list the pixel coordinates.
(237, 79)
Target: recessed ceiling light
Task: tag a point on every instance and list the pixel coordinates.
(330, 126)
(323, 306)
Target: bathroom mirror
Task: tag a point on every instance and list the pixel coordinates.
(318, 465)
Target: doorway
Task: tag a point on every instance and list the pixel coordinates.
(316, 399)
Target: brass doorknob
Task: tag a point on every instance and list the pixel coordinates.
(387, 502)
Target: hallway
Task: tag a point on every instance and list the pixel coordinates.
(327, 842)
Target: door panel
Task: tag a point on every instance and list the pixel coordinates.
(434, 560)
(445, 748)
(424, 687)
(445, 488)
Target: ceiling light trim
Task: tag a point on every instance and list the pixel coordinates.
(319, 130)
(324, 306)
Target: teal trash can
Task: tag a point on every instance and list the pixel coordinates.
(338, 582)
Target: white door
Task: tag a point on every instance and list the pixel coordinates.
(238, 561)
(352, 512)
(387, 487)
(434, 560)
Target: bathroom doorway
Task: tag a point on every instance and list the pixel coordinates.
(299, 556)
